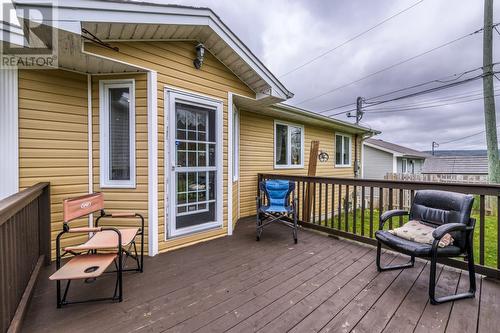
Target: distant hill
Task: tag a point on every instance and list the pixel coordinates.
(478, 152)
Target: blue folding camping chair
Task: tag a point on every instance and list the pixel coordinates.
(279, 207)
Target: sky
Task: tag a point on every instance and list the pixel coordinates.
(287, 34)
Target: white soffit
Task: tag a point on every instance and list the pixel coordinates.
(119, 20)
(298, 115)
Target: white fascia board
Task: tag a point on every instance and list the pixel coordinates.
(77, 11)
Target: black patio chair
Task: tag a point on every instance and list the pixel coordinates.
(447, 212)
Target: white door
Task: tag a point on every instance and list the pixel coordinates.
(195, 163)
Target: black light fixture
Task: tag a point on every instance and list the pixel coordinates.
(200, 54)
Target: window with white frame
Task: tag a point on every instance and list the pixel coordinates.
(117, 133)
(342, 150)
(236, 143)
(288, 145)
(404, 165)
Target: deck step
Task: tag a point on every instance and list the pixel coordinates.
(84, 266)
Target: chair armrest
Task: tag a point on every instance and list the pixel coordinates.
(391, 213)
(442, 230)
(84, 229)
(123, 214)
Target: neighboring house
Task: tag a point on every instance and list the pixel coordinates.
(381, 157)
(131, 113)
(468, 169)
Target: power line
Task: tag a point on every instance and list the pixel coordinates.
(424, 107)
(456, 77)
(446, 79)
(436, 100)
(350, 39)
(390, 67)
(427, 91)
(464, 137)
(432, 89)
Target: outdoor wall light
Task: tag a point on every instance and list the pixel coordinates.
(323, 156)
(200, 54)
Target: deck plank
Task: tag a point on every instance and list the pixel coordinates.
(382, 311)
(238, 284)
(407, 315)
(464, 314)
(308, 313)
(489, 311)
(321, 285)
(277, 285)
(435, 317)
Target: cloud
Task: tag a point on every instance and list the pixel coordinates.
(285, 34)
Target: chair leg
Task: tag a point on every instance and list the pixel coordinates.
(59, 302)
(295, 227)
(259, 227)
(472, 282)
(119, 277)
(142, 251)
(411, 263)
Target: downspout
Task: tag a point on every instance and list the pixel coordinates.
(356, 162)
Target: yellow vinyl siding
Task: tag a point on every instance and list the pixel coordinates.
(173, 62)
(53, 139)
(257, 155)
(125, 199)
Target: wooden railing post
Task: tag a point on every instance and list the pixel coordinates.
(44, 240)
(24, 247)
(311, 172)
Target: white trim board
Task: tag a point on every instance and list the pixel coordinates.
(289, 164)
(152, 103)
(350, 150)
(104, 111)
(171, 95)
(9, 133)
(230, 153)
(90, 142)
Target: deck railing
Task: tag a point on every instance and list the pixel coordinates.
(350, 208)
(24, 248)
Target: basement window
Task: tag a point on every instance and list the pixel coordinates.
(342, 150)
(117, 134)
(288, 145)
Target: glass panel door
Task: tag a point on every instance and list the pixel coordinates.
(195, 169)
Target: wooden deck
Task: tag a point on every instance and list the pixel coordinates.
(239, 285)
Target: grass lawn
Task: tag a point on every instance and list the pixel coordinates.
(490, 235)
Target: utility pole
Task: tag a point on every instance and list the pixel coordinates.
(490, 121)
(359, 110)
(434, 145)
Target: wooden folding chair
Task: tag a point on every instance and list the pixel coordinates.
(105, 246)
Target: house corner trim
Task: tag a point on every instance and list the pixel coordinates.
(152, 163)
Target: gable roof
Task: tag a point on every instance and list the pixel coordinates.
(133, 20)
(468, 165)
(395, 149)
